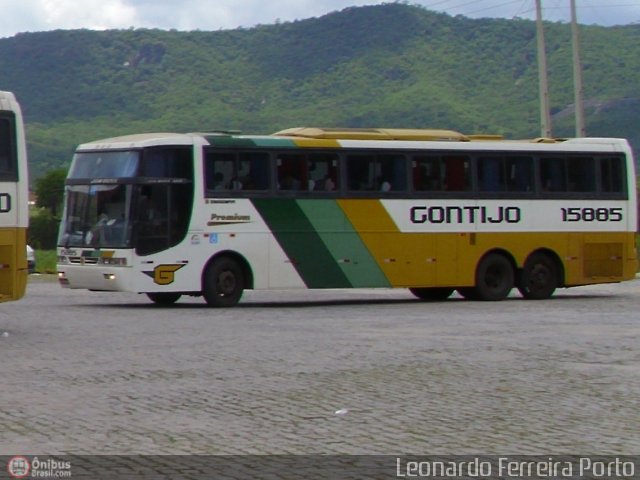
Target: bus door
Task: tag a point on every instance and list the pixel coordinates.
(163, 200)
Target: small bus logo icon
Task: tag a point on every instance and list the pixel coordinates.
(18, 467)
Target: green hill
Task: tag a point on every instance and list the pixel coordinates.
(392, 65)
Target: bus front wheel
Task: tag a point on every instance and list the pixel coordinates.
(223, 283)
(432, 294)
(539, 277)
(494, 279)
(164, 298)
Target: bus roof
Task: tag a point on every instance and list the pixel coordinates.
(342, 137)
(139, 141)
(8, 101)
(374, 134)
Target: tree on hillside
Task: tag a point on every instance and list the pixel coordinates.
(50, 190)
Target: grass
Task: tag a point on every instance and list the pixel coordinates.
(46, 261)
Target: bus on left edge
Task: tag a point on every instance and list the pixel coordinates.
(14, 201)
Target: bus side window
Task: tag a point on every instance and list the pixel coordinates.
(361, 173)
(253, 171)
(231, 172)
(491, 174)
(581, 174)
(391, 173)
(553, 176)
(219, 169)
(457, 173)
(292, 172)
(427, 174)
(323, 172)
(519, 174)
(167, 162)
(612, 174)
(7, 145)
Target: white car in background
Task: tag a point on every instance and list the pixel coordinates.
(31, 259)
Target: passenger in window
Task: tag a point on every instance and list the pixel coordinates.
(385, 186)
(218, 181)
(290, 183)
(329, 184)
(236, 184)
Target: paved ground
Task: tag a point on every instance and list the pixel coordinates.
(349, 372)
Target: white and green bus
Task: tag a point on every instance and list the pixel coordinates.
(14, 200)
(429, 210)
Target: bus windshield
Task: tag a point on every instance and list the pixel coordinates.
(114, 164)
(97, 216)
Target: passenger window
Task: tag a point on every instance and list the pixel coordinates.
(231, 172)
(292, 172)
(450, 173)
(7, 149)
(317, 172)
(323, 172)
(253, 171)
(427, 174)
(581, 174)
(491, 177)
(391, 173)
(167, 162)
(376, 173)
(456, 173)
(612, 175)
(220, 169)
(360, 172)
(553, 176)
(519, 174)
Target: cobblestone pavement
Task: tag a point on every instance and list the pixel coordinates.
(314, 372)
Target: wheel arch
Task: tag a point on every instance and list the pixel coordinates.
(240, 259)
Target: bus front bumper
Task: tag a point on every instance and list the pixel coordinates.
(98, 278)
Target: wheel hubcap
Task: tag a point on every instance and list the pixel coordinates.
(226, 283)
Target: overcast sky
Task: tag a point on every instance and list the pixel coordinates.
(39, 15)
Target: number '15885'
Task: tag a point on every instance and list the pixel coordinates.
(578, 214)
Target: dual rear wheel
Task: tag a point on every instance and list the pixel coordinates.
(495, 278)
(540, 277)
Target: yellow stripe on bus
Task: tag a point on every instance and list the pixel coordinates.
(450, 259)
(404, 258)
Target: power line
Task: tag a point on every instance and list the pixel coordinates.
(557, 6)
(493, 7)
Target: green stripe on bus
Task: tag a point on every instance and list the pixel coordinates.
(228, 141)
(301, 243)
(274, 142)
(345, 245)
(235, 142)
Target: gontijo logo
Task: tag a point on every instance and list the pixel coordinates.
(18, 467)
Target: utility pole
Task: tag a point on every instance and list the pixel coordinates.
(545, 116)
(577, 73)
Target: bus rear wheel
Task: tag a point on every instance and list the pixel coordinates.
(432, 294)
(164, 298)
(223, 283)
(494, 279)
(539, 277)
